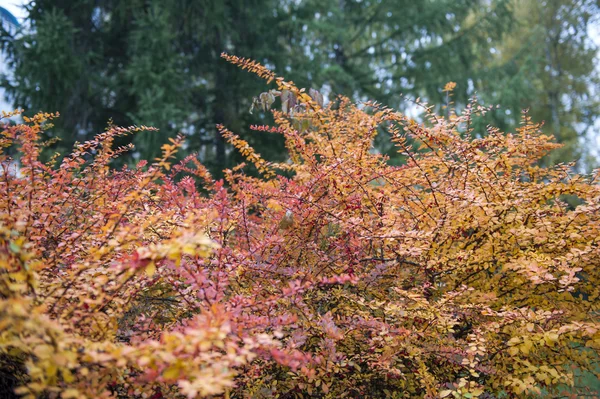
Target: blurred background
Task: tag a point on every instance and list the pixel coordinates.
(156, 62)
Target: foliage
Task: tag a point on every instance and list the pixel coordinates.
(79, 245)
(462, 273)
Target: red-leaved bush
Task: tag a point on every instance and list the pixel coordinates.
(462, 273)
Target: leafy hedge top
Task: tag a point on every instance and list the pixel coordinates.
(461, 273)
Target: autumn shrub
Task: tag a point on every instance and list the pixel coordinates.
(462, 273)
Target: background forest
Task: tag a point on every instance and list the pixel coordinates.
(157, 63)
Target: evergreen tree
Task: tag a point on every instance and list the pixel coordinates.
(145, 62)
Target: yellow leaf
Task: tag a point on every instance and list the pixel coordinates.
(446, 392)
(171, 373)
(517, 388)
(526, 346)
(43, 351)
(205, 345)
(144, 361)
(67, 376)
(71, 393)
(550, 338)
(150, 269)
(274, 205)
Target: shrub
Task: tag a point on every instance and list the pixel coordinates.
(462, 273)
